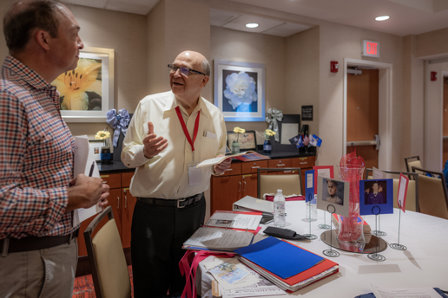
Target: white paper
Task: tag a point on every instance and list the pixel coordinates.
(405, 293)
(219, 239)
(83, 160)
(228, 219)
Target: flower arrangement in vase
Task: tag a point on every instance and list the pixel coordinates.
(267, 146)
(105, 155)
(235, 143)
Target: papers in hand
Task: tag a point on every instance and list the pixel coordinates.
(243, 156)
(84, 164)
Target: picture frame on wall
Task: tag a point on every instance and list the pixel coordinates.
(246, 140)
(239, 90)
(87, 92)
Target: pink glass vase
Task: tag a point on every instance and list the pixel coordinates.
(352, 170)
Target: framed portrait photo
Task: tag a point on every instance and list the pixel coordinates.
(240, 90)
(322, 171)
(376, 196)
(95, 146)
(87, 92)
(246, 140)
(333, 195)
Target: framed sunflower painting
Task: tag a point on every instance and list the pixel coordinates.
(87, 92)
(239, 90)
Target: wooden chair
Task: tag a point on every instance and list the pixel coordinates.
(432, 192)
(106, 257)
(412, 161)
(412, 193)
(271, 179)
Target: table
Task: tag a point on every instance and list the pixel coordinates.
(423, 264)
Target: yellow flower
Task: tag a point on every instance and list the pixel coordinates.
(269, 133)
(72, 85)
(102, 135)
(239, 130)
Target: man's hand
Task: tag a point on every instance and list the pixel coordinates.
(84, 192)
(219, 169)
(152, 144)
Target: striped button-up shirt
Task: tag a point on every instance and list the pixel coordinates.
(36, 156)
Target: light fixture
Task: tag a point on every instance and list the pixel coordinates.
(382, 18)
(251, 25)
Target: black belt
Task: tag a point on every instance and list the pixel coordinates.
(179, 203)
(10, 245)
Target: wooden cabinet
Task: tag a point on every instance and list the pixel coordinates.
(241, 179)
(122, 203)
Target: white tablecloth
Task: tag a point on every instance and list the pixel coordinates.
(423, 264)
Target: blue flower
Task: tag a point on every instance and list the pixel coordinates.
(240, 91)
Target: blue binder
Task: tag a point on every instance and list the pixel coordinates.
(279, 257)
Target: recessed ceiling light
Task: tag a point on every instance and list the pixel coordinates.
(251, 25)
(382, 18)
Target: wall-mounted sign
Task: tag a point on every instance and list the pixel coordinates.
(370, 48)
(307, 113)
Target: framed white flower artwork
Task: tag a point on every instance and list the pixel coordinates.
(240, 90)
(87, 92)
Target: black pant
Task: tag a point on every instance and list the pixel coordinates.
(157, 235)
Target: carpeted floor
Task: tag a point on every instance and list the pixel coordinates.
(83, 287)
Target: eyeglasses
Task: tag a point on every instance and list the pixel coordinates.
(184, 70)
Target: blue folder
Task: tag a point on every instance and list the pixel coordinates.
(279, 257)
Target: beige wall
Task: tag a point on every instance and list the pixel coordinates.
(256, 48)
(338, 42)
(297, 68)
(302, 74)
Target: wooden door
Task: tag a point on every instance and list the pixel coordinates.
(362, 114)
(445, 120)
(127, 210)
(249, 185)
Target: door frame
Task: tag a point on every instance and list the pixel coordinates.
(384, 109)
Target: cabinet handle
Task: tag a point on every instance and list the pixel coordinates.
(255, 167)
(281, 165)
(239, 186)
(303, 163)
(244, 185)
(118, 202)
(228, 170)
(125, 198)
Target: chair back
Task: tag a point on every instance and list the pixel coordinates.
(106, 257)
(412, 161)
(271, 179)
(432, 193)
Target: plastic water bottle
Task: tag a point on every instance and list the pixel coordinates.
(279, 209)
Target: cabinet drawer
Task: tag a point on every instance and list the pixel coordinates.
(280, 163)
(252, 166)
(126, 178)
(304, 162)
(235, 169)
(114, 180)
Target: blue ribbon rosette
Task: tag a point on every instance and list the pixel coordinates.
(119, 122)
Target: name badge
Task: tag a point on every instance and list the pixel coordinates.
(194, 175)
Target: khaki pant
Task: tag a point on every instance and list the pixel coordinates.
(42, 273)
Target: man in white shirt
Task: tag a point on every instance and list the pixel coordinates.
(168, 135)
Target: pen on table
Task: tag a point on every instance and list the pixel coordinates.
(91, 169)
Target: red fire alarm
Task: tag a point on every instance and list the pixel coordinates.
(433, 76)
(334, 66)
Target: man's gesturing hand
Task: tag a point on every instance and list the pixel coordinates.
(152, 144)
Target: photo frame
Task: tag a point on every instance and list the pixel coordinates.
(95, 146)
(239, 90)
(93, 95)
(288, 128)
(376, 196)
(322, 171)
(333, 195)
(246, 140)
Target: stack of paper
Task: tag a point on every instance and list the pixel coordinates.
(286, 265)
(225, 231)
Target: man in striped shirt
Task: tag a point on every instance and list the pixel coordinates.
(37, 189)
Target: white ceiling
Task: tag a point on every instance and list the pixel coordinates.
(408, 17)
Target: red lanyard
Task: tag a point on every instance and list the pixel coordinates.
(184, 127)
